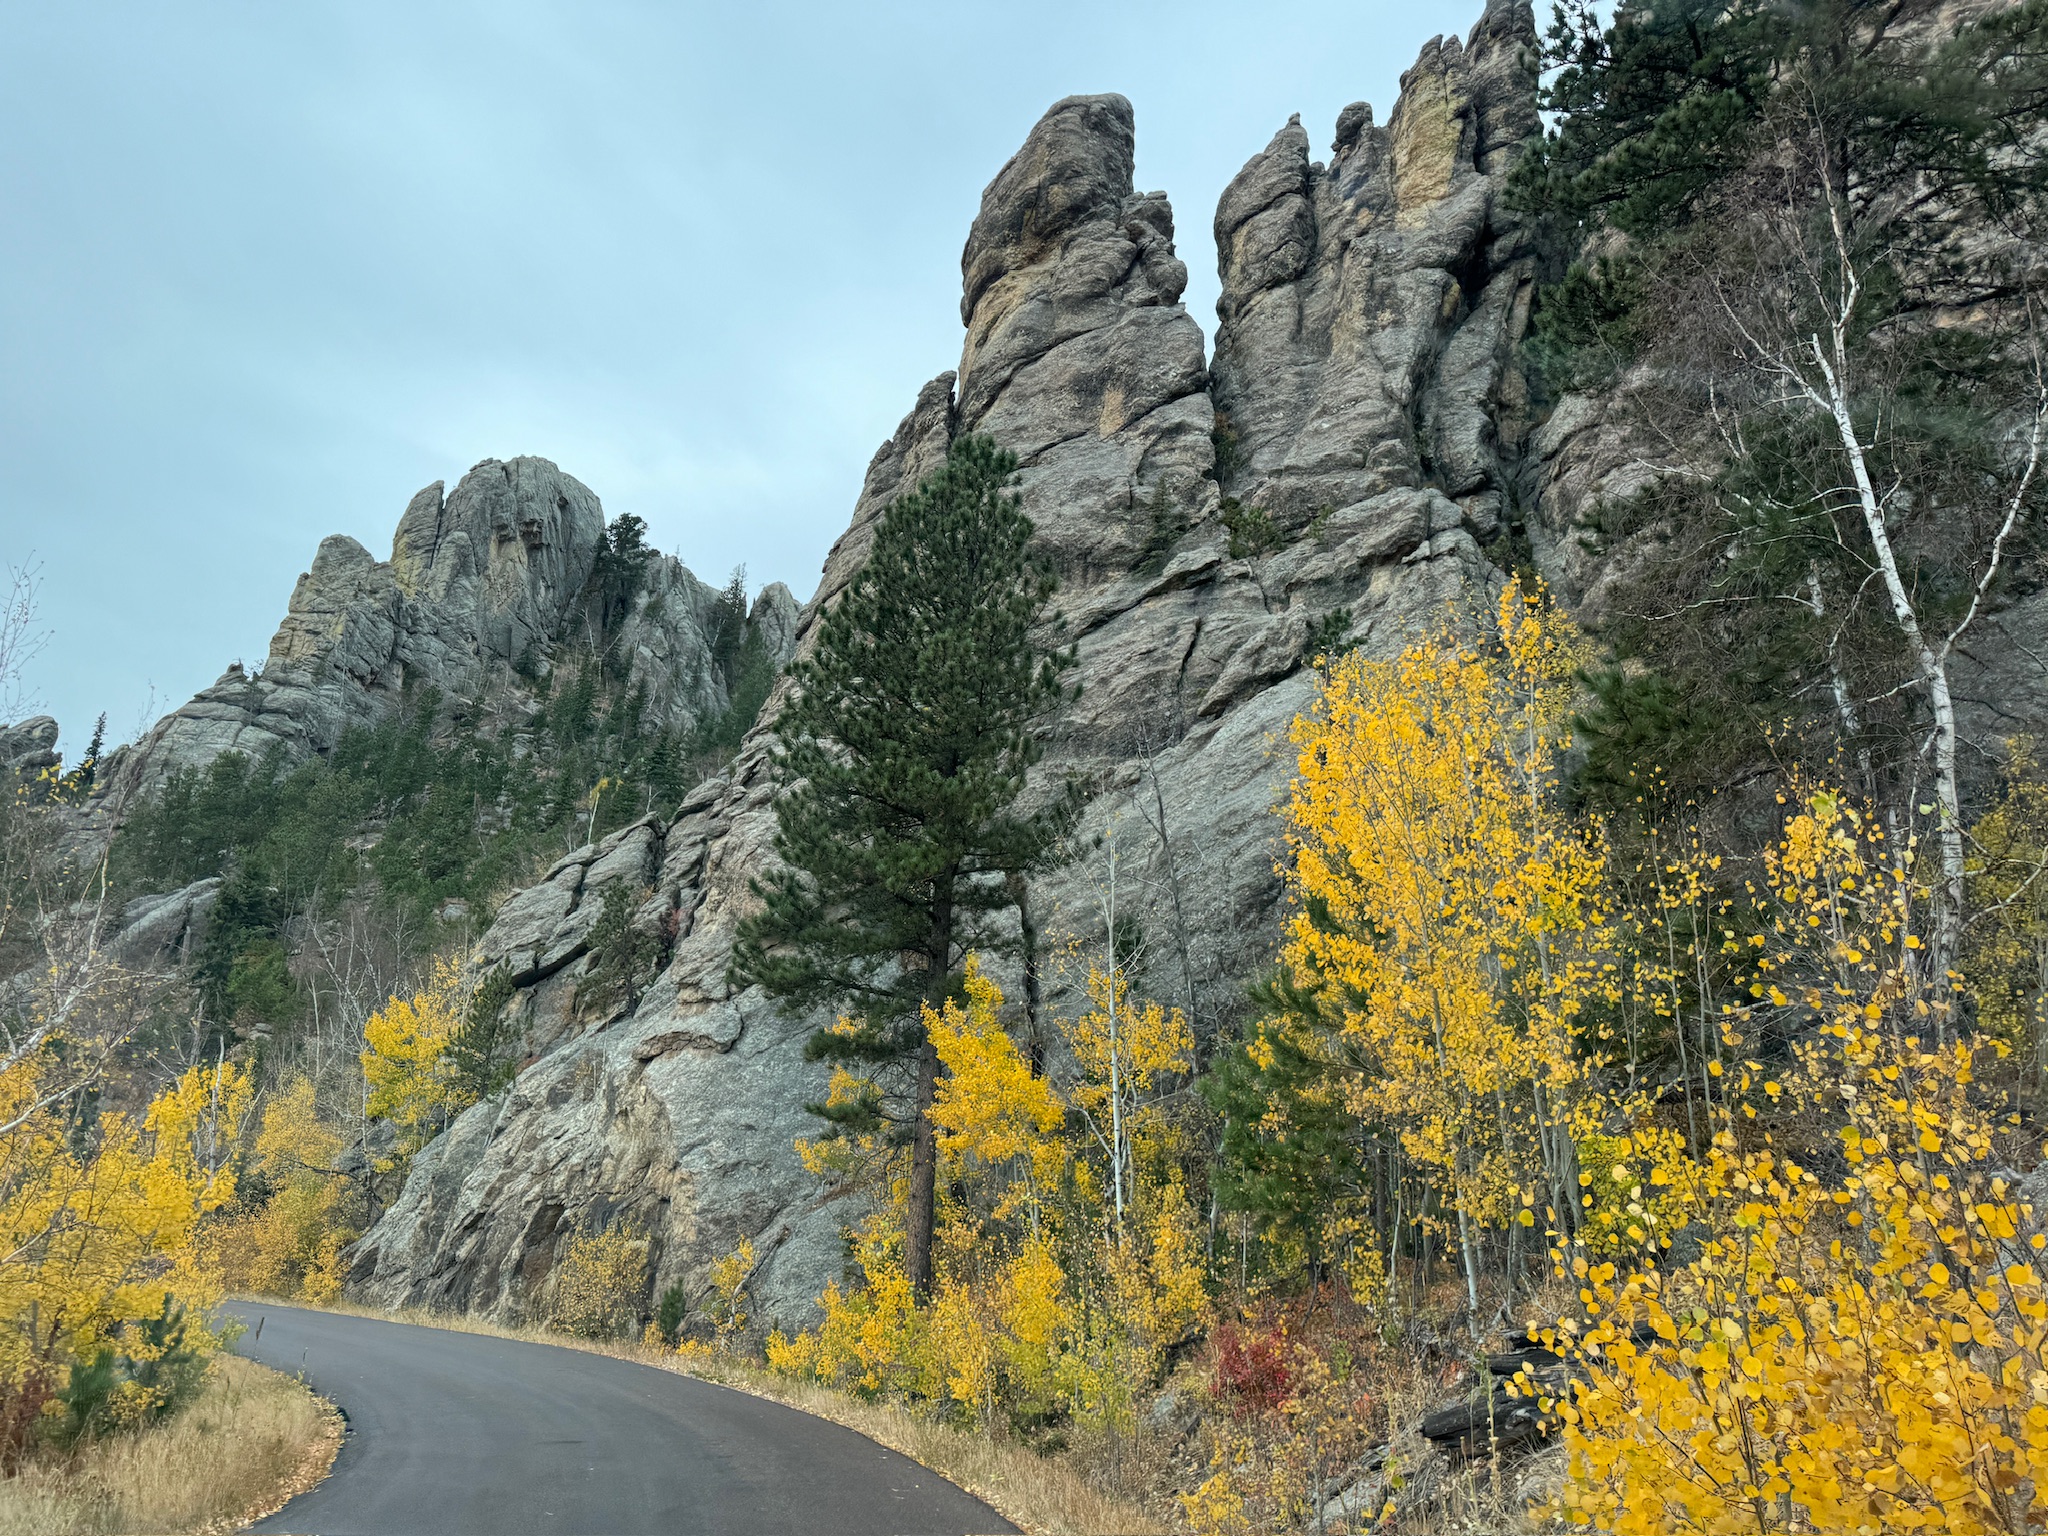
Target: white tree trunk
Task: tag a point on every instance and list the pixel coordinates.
(1931, 664)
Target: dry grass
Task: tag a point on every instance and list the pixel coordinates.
(249, 1440)
(1045, 1496)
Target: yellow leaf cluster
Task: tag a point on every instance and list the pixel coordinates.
(1865, 1351)
(596, 1285)
(993, 1115)
(96, 1225)
(1040, 1302)
(2008, 959)
(291, 1244)
(1448, 920)
(410, 1076)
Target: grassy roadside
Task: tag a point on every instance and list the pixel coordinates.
(1045, 1496)
(249, 1440)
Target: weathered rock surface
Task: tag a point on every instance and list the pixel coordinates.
(482, 581)
(29, 747)
(1079, 357)
(1371, 306)
(155, 931)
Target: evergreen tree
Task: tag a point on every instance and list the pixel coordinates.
(620, 567)
(904, 751)
(1287, 1153)
(80, 780)
(1650, 109)
(728, 629)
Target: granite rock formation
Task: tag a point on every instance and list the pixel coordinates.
(1371, 306)
(1369, 317)
(29, 747)
(483, 581)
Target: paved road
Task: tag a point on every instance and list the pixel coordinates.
(457, 1433)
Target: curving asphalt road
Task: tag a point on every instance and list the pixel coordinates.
(458, 1433)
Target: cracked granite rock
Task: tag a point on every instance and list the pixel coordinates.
(1078, 355)
(482, 580)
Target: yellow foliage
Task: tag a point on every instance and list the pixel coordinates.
(598, 1283)
(1629, 1204)
(729, 1302)
(990, 1111)
(291, 1245)
(1448, 919)
(871, 1338)
(2008, 960)
(412, 1080)
(96, 1230)
(1039, 1302)
(1861, 1351)
(1217, 1507)
(963, 1336)
(1866, 1352)
(1124, 1048)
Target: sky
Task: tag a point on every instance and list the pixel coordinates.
(266, 270)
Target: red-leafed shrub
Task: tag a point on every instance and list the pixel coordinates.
(1252, 1373)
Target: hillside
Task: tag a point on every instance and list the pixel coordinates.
(1737, 420)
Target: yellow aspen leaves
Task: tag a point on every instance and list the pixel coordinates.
(411, 1078)
(990, 1110)
(97, 1227)
(1444, 908)
(1040, 1304)
(1853, 1355)
(291, 1245)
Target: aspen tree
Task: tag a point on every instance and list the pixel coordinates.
(1444, 911)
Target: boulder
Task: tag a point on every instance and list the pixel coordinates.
(164, 929)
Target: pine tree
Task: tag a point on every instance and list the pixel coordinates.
(1288, 1151)
(621, 565)
(1651, 108)
(905, 747)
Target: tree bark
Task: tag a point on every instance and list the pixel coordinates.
(1931, 664)
(1034, 1045)
(921, 1215)
(924, 1178)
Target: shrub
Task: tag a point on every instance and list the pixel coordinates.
(729, 1299)
(1857, 1348)
(1252, 531)
(669, 1313)
(95, 1244)
(1252, 1371)
(154, 1368)
(598, 1283)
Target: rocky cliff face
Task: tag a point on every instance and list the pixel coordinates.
(1370, 418)
(482, 581)
(1371, 305)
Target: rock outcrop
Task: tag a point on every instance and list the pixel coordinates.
(1193, 645)
(160, 930)
(1371, 306)
(30, 747)
(482, 583)
(679, 1119)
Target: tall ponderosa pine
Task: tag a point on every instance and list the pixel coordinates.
(905, 745)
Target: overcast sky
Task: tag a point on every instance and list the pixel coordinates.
(266, 270)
